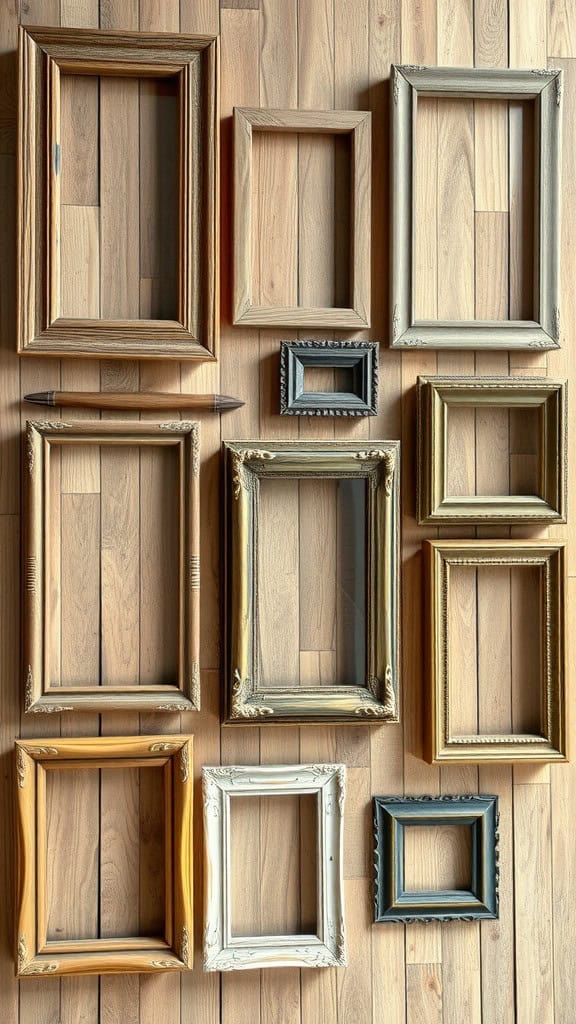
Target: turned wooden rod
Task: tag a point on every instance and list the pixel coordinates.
(133, 400)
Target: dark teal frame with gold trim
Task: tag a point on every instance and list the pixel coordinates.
(393, 814)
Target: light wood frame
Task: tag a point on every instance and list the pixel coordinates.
(544, 87)
(45, 54)
(222, 950)
(546, 396)
(355, 123)
(360, 357)
(392, 901)
(376, 698)
(442, 747)
(39, 694)
(38, 956)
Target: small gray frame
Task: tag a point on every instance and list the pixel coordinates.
(545, 87)
(361, 357)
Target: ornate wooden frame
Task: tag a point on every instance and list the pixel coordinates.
(551, 745)
(45, 54)
(223, 951)
(376, 699)
(361, 357)
(392, 901)
(436, 395)
(39, 694)
(355, 123)
(38, 956)
(545, 87)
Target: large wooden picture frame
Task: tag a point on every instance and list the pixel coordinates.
(373, 698)
(46, 54)
(359, 358)
(355, 123)
(544, 87)
(550, 744)
(36, 955)
(222, 950)
(183, 694)
(543, 395)
(392, 901)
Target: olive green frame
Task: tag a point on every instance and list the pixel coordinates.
(435, 397)
(247, 462)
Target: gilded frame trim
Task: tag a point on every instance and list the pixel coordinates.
(359, 357)
(377, 699)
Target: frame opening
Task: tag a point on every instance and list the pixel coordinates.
(512, 435)
(339, 379)
(438, 858)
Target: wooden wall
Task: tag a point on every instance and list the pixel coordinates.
(315, 54)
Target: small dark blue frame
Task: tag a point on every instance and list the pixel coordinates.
(392, 902)
(361, 357)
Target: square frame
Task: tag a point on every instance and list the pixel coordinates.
(360, 357)
(545, 87)
(358, 125)
(39, 695)
(35, 954)
(222, 951)
(547, 396)
(392, 815)
(45, 54)
(549, 746)
(247, 462)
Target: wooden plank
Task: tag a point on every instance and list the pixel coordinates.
(73, 826)
(354, 981)
(9, 368)
(79, 143)
(561, 29)
(424, 993)
(532, 902)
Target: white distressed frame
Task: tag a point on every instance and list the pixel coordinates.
(222, 951)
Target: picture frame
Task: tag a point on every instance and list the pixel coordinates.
(409, 82)
(392, 901)
(36, 955)
(544, 395)
(359, 358)
(223, 951)
(42, 438)
(355, 123)
(44, 55)
(375, 697)
(550, 744)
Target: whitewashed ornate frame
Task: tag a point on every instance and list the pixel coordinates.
(222, 950)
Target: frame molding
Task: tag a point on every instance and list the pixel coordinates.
(39, 695)
(392, 815)
(45, 54)
(551, 744)
(35, 954)
(545, 87)
(361, 357)
(378, 462)
(549, 397)
(358, 125)
(222, 951)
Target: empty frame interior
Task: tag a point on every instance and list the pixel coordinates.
(511, 438)
(437, 858)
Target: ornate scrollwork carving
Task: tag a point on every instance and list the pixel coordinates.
(28, 689)
(238, 460)
(184, 763)
(239, 705)
(21, 767)
(160, 747)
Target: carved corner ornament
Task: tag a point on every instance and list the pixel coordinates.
(240, 707)
(238, 460)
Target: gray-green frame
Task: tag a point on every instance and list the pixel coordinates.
(361, 357)
(545, 87)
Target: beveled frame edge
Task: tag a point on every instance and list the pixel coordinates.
(389, 861)
(378, 700)
(30, 753)
(222, 951)
(121, 337)
(440, 747)
(433, 508)
(545, 85)
(183, 695)
(359, 125)
(333, 403)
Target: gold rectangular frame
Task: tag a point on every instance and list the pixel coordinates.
(436, 395)
(36, 955)
(45, 54)
(551, 745)
(39, 695)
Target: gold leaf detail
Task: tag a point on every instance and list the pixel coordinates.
(238, 460)
(21, 767)
(41, 968)
(22, 953)
(184, 763)
(240, 707)
(162, 746)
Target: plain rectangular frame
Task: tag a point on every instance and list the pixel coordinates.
(360, 357)
(357, 124)
(45, 53)
(392, 901)
(222, 951)
(247, 462)
(36, 956)
(545, 87)
(436, 395)
(39, 695)
(441, 747)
